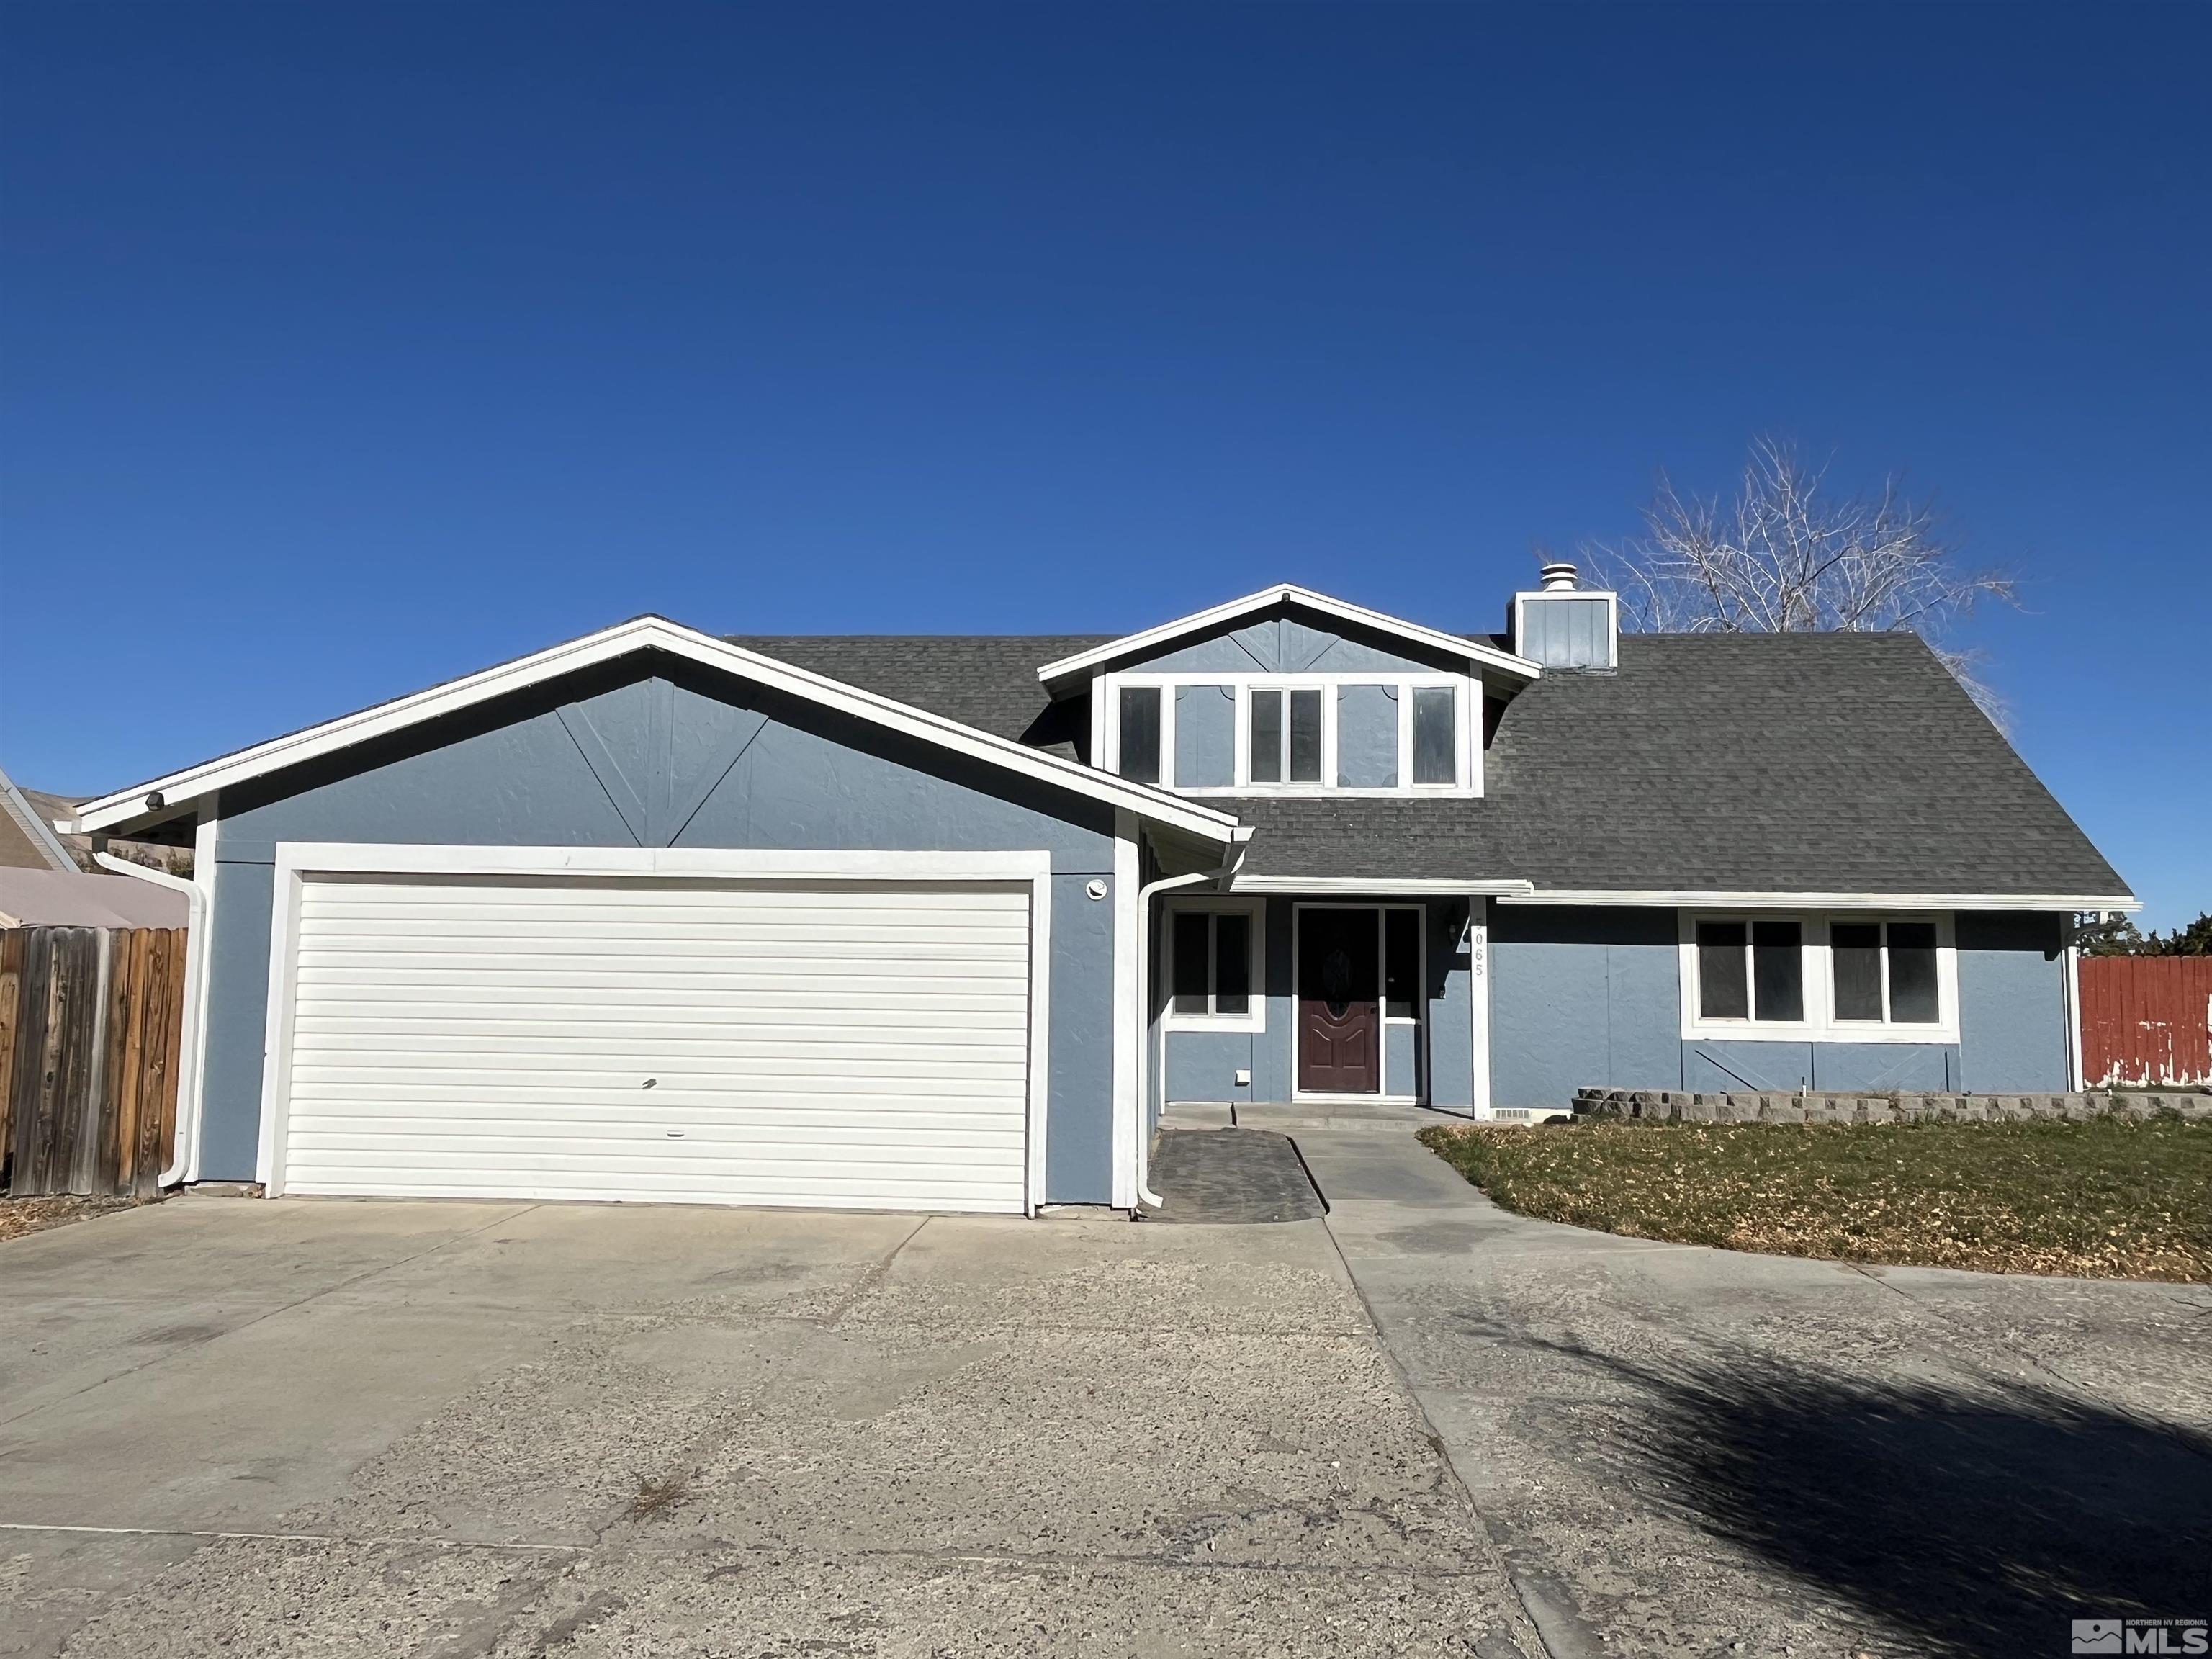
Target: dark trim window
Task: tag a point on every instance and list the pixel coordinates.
(1752, 971)
(1140, 733)
(1285, 749)
(1436, 734)
(1885, 972)
(1210, 963)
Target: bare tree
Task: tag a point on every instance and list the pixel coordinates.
(1781, 556)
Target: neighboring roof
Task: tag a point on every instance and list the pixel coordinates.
(1804, 763)
(146, 802)
(1479, 650)
(71, 898)
(28, 841)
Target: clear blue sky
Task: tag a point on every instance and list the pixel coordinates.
(350, 347)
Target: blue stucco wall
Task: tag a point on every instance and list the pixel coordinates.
(2012, 1003)
(1581, 996)
(629, 756)
(1591, 998)
(1289, 644)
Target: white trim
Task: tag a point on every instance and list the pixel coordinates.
(1816, 965)
(296, 860)
(1154, 1036)
(1380, 886)
(656, 634)
(1612, 617)
(1478, 1007)
(1383, 1019)
(1255, 1018)
(1466, 703)
(1129, 1015)
(1289, 592)
(206, 867)
(2070, 980)
(1523, 893)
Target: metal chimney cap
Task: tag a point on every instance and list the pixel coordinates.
(1556, 574)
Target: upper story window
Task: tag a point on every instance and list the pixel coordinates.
(1365, 734)
(1280, 747)
(1140, 733)
(1843, 979)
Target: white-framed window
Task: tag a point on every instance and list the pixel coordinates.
(1291, 734)
(1885, 973)
(1214, 951)
(1777, 975)
(1287, 737)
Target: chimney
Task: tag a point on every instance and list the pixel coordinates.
(1565, 625)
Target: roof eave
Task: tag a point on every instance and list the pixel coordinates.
(165, 797)
(1056, 676)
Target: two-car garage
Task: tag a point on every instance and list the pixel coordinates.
(860, 1042)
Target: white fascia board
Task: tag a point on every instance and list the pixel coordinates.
(1413, 886)
(1704, 899)
(656, 634)
(1457, 645)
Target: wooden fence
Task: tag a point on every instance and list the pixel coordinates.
(90, 1018)
(2146, 1019)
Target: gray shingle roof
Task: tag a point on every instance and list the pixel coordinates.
(1793, 763)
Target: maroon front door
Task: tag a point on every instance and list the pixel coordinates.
(1340, 1001)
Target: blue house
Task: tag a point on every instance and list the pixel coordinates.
(946, 922)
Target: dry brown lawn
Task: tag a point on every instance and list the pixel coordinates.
(2104, 1198)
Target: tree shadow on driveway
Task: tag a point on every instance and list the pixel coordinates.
(1974, 1521)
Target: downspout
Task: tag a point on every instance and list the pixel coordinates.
(1229, 862)
(188, 1045)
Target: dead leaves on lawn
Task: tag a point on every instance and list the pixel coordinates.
(2098, 1200)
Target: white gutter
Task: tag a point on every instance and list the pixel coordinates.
(188, 1045)
(1697, 899)
(1145, 1195)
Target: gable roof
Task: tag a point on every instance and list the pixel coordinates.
(28, 841)
(1479, 652)
(1710, 764)
(164, 795)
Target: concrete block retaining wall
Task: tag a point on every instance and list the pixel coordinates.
(1679, 1106)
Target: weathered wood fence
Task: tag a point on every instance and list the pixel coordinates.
(2147, 1020)
(90, 1021)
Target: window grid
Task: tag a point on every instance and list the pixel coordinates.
(1438, 746)
(1838, 978)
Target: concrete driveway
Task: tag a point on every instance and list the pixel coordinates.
(1685, 1451)
(418, 1429)
(297, 1427)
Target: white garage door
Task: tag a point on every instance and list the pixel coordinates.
(859, 1045)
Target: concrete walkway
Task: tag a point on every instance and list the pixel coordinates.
(1688, 1451)
(251, 1428)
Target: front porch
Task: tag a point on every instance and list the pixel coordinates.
(1337, 1007)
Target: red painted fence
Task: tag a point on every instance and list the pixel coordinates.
(2145, 1019)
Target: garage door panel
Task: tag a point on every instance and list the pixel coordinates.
(789, 1122)
(428, 1042)
(367, 1095)
(864, 1044)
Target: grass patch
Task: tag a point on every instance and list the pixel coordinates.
(2104, 1198)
